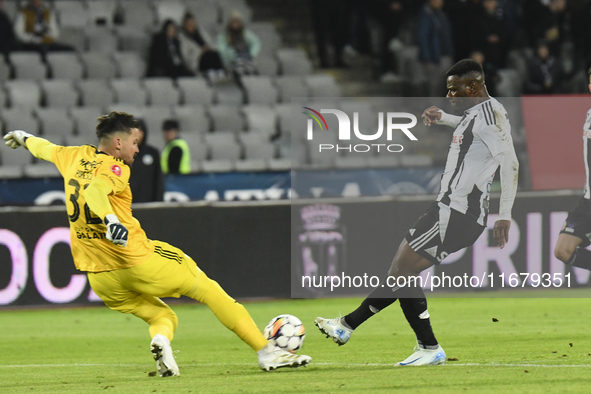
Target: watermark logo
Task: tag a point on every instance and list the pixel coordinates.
(387, 122)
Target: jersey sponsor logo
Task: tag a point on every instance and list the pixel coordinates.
(457, 139)
(115, 169)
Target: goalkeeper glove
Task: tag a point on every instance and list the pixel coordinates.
(17, 138)
(116, 232)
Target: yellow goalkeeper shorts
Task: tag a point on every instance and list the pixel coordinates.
(169, 272)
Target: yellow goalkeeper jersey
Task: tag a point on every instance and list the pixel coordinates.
(80, 165)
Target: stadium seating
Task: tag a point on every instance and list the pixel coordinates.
(169, 9)
(85, 119)
(101, 13)
(13, 158)
(192, 118)
(74, 36)
(257, 147)
(322, 86)
(55, 121)
(71, 13)
(95, 92)
(162, 91)
(226, 117)
(195, 91)
(130, 91)
(130, 64)
(20, 118)
(102, 40)
(60, 93)
(134, 40)
(23, 93)
(291, 86)
(283, 112)
(28, 65)
(260, 117)
(267, 65)
(65, 65)
(197, 146)
(99, 66)
(42, 169)
(259, 90)
(294, 62)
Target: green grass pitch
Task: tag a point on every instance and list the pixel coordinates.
(537, 346)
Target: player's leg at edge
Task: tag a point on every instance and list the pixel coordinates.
(413, 302)
(571, 251)
(236, 318)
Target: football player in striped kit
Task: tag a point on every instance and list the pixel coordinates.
(575, 235)
(481, 143)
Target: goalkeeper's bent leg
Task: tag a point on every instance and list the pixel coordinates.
(152, 310)
(232, 314)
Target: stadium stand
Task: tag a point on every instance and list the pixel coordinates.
(60, 93)
(229, 126)
(55, 121)
(28, 65)
(23, 93)
(65, 65)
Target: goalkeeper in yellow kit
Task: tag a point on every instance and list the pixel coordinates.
(128, 271)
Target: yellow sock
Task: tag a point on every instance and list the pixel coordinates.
(163, 326)
(232, 314)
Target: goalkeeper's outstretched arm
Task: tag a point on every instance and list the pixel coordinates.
(39, 147)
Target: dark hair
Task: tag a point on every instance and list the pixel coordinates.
(115, 122)
(167, 23)
(188, 15)
(465, 67)
(141, 124)
(170, 124)
(589, 72)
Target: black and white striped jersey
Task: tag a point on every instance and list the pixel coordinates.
(587, 152)
(481, 135)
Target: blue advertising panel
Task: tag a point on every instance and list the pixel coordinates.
(252, 186)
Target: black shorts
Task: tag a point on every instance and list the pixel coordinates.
(440, 232)
(578, 222)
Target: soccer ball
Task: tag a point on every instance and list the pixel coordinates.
(286, 332)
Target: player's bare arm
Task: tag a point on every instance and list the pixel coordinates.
(435, 115)
(509, 167)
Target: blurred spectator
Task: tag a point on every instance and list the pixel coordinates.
(176, 157)
(36, 28)
(238, 46)
(330, 22)
(146, 179)
(435, 44)
(544, 72)
(198, 50)
(549, 22)
(491, 76)
(461, 14)
(166, 58)
(390, 15)
(581, 34)
(7, 37)
(491, 33)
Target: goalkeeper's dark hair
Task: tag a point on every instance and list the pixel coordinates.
(115, 122)
(464, 68)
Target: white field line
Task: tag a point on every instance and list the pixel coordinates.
(450, 364)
